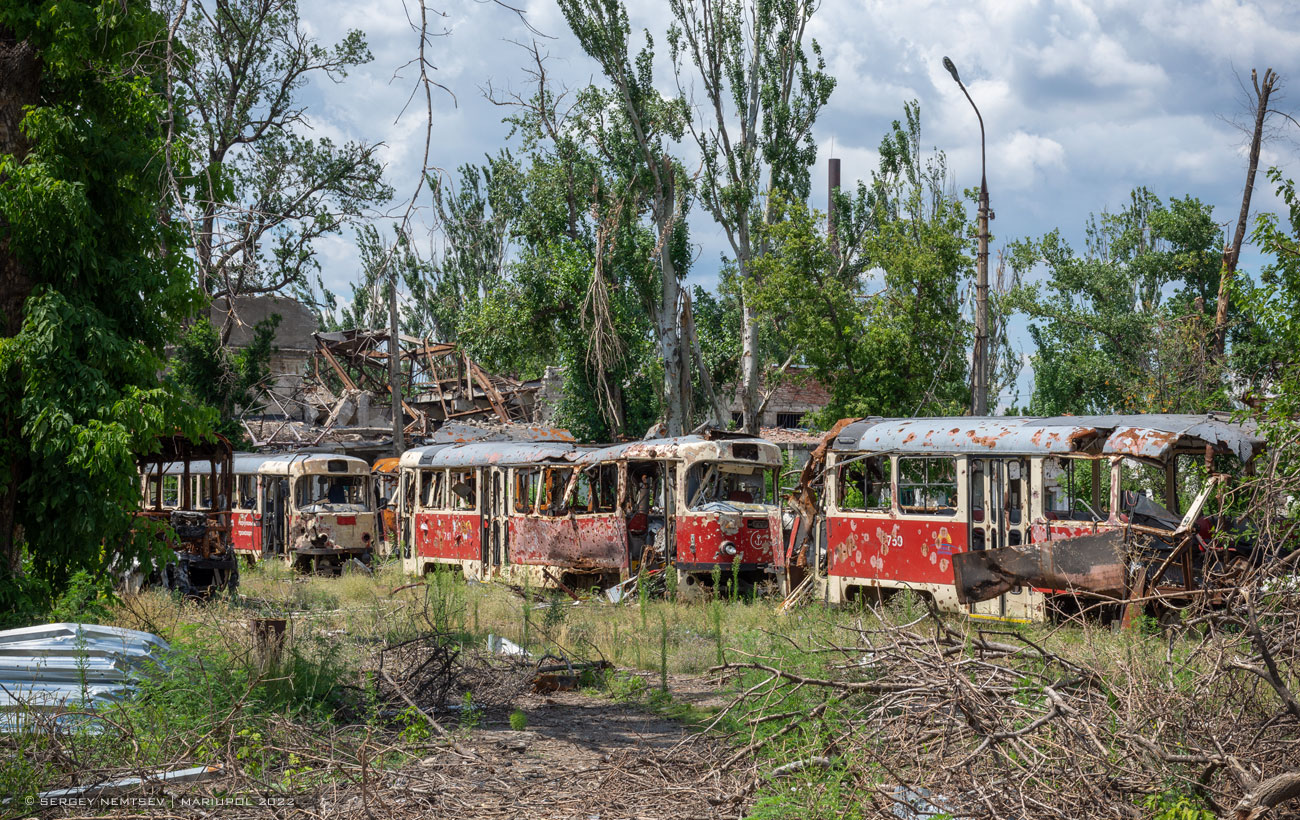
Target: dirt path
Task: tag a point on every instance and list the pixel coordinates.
(581, 756)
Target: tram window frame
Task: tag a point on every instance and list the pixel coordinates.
(596, 491)
(883, 494)
(458, 503)
(244, 499)
(1076, 489)
(526, 485)
(950, 485)
(435, 499)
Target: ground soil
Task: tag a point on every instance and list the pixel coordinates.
(582, 756)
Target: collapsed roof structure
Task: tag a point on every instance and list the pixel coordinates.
(344, 396)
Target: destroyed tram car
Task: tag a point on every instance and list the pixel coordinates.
(557, 514)
(187, 486)
(1013, 518)
(315, 511)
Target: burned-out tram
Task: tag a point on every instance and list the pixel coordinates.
(706, 506)
(313, 510)
(557, 513)
(499, 509)
(187, 485)
(1000, 516)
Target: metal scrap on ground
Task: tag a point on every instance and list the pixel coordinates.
(45, 670)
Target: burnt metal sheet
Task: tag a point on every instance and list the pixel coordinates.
(494, 453)
(964, 434)
(1092, 563)
(580, 543)
(678, 447)
(1155, 436)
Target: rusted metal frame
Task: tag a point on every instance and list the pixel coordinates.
(338, 368)
(436, 379)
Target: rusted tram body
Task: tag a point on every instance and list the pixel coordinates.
(188, 486)
(708, 506)
(561, 514)
(1018, 512)
(313, 510)
(510, 509)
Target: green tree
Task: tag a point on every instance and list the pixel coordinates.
(583, 288)
(879, 319)
(260, 194)
(1127, 326)
(761, 98)
(631, 126)
(228, 381)
(96, 283)
(476, 218)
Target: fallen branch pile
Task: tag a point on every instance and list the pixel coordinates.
(990, 723)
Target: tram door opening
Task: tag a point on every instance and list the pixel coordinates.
(495, 544)
(275, 498)
(999, 517)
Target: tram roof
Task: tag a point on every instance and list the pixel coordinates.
(488, 453)
(1151, 436)
(295, 463)
(695, 448)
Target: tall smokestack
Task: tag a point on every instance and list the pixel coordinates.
(833, 188)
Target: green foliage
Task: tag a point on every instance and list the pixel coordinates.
(469, 713)
(84, 601)
(1271, 359)
(109, 286)
(259, 195)
(880, 323)
(224, 379)
(518, 720)
(1175, 806)
(1270, 327)
(1107, 337)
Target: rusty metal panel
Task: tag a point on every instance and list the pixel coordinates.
(580, 543)
(1146, 436)
(964, 435)
(1092, 563)
(691, 448)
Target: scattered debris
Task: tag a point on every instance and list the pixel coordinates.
(504, 646)
(111, 787)
(354, 567)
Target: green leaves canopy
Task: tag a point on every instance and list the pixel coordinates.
(109, 284)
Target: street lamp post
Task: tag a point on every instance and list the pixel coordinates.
(979, 360)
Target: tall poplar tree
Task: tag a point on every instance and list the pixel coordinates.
(761, 96)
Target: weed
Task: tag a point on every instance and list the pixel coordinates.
(663, 652)
(518, 720)
(735, 579)
(415, 729)
(469, 713)
(1175, 806)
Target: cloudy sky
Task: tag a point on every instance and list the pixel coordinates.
(1082, 101)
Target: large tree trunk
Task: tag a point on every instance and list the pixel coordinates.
(670, 343)
(667, 327)
(20, 74)
(1233, 252)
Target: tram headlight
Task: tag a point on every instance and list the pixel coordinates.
(729, 548)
